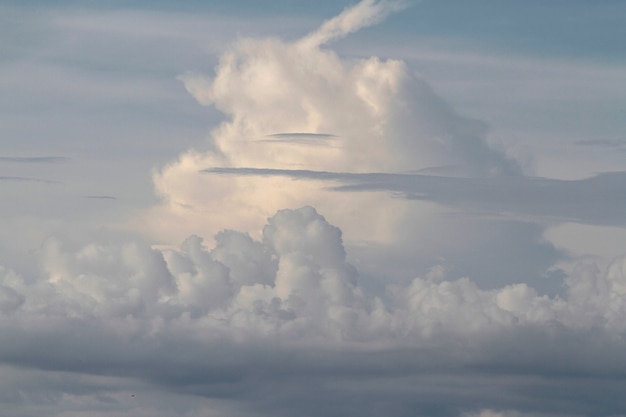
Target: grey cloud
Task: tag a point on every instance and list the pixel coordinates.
(292, 173)
(597, 200)
(100, 197)
(25, 179)
(34, 159)
(439, 394)
(601, 143)
(270, 380)
(302, 135)
(280, 326)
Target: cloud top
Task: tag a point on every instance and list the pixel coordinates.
(296, 283)
(384, 118)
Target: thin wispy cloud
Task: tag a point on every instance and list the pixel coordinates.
(302, 135)
(100, 197)
(601, 143)
(365, 13)
(26, 179)
(318, 139)
(34, 159)
(597, 200)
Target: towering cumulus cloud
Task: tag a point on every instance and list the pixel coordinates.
(364, 115)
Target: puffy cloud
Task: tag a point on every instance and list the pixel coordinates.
(288, 308)
(10, 297)
(296, 277)
(279, 320)
(108, 279)
(380, 115)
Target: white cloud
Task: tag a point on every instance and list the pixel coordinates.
(363, 14)
(276, 317)
(296, 277)
(382, 116)
(118, 307)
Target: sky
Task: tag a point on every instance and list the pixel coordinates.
(333, 208)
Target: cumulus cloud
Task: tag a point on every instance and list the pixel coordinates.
(261, 310)
(294, 277)
(382, 118)
(196, 318)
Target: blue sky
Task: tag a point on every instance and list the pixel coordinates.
(312, 208)
(571, 29)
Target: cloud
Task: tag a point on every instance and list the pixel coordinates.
(25, 179)
(34, 159)
(383, 117)
(268, 325)
(100, 197)
(594, 200)
(363, 14)
(601, 143)
(302, 135)
(412, 294)
(316, 139)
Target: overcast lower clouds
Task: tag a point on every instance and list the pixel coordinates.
(376, 208)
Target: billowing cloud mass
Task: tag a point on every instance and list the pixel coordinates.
(295, 283)
(344, 243)
(223, 321)
(382, 118)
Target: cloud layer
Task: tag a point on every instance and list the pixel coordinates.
(291, 301)
(351, 245)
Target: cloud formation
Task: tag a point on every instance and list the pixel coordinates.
(8, 178)
(383, 118)
(34, 159)
(422, 290)
(291, 301)
(596, 200)
(365, 13)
